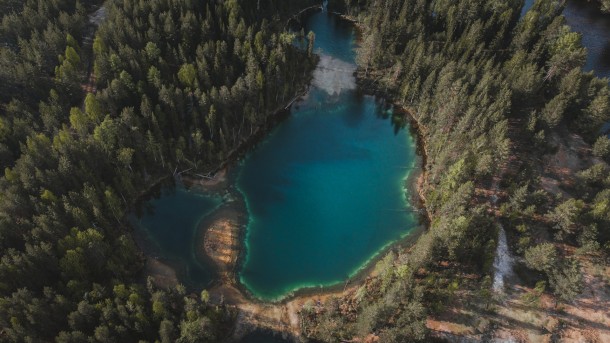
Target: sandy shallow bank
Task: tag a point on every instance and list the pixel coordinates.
(220, 239)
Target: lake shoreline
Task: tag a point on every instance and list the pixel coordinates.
(367, 86)
(413, 186)
(215, 181)
(229, 271)
(418, 176)
(228, 289)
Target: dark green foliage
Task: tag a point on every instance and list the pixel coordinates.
(39, 51)
(490, 92)
(566, 217)
(566, 280)
(601, 148)
(471, 73)
(180, 84)
(218, 71)
(121, 313)
(541, 257)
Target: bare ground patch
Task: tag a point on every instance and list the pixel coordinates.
(162, 274)
(221, 239)
(559, 169)
(282, 318)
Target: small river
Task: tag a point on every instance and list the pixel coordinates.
(325, 192)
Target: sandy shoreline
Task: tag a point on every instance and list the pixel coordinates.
(216, 183)
(220, 239)
(221, 236)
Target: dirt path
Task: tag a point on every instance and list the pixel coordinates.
(587, 319)
(282, 318)
(163, 275)
(513, 315)
(95, 19)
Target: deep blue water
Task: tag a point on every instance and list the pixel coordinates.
(170, 223)
(334, 36)
(325, 191)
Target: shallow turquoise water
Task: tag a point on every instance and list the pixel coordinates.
(170, 223)
(325, 191)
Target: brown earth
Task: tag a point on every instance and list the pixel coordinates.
(559, 169)
(221, 240)
(511, 318)
(162, 274)
(282, 318)
(214, 183)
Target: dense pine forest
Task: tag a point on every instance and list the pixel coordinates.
(177, 85)
(491, 95)
(88, 124)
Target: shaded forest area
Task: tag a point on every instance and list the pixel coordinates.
(180, 84)
(495, 98)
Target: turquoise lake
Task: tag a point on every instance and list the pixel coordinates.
(170, 223)
(325, 191)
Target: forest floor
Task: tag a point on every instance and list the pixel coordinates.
(560, 168)
(513, 316)
(586, 319)
(164, 276)
(282, 318)
(215, 184)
